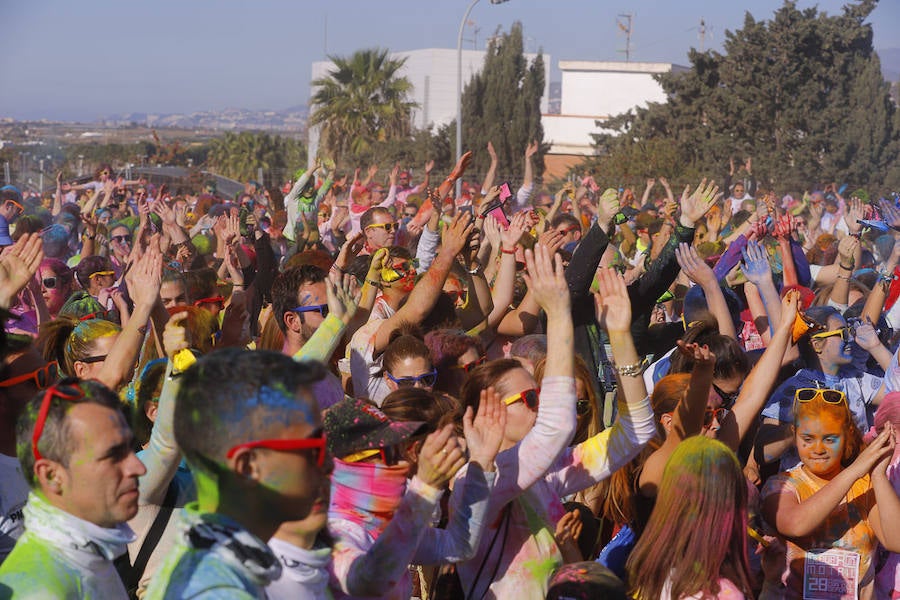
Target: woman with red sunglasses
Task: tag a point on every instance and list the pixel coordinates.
(535, 468)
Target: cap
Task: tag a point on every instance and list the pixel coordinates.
(354, 425)
(586, 579)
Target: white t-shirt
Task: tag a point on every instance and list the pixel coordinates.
(13, 496)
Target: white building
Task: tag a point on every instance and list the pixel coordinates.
(432, 72)
(591, 91)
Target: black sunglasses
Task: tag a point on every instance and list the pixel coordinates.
(50, 282)
(122, 239)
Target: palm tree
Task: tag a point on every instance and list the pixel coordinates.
(361, 101)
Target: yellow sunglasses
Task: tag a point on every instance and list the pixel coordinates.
(101, 274)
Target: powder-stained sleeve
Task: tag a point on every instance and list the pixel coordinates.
(362, 568)
(321, 345)
(599, 457)
(528, 461)
(162, 455)
(468, 508)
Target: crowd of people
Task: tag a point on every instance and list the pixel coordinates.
(352, 387)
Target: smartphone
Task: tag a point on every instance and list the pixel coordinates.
(468, 209)
(500, 216)
(505, 191)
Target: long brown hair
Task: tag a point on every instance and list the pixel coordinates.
(701, 515)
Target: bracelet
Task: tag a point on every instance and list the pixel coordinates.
(505, 251)
(845, 267)
(337, 268)
(477, 270)
(633, 370)
(88, 237)
(843, 277)
(373, 283)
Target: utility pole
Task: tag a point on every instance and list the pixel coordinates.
(626, 27)
(701, 33)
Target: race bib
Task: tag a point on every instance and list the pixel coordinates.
(831, 574)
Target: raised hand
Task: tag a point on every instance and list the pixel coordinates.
(460, 168)
(531, 149)
(552, 239)
(697, 203)
(373, 170)
(756, 266)
(492, 232)
(607, 207)
(546, 281)
(856, 212)
(693, 266)
(877, 454)
(511, 235)
(484, 433)
(175, 334)
(697, 354)
(784, 227)
(18, 264)
(343, 297)
(847, 248)
(866, 336)
(457, 234)
(890, 213)
(145, 276)
(441, 457)
(612, 301)
(429, 166)
(491, 152)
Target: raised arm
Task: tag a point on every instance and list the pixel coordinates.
(422, 298)
(702, 274)
(491, 174)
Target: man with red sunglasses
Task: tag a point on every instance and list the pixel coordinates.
(76, 452)
(249, 426)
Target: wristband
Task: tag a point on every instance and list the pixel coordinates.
(633, 370)
(845, 267)
(505, 251)
(373, 283)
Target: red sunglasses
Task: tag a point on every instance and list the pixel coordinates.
(220, 300)
(66, 389)
(529, 397)
(316, 442)
(42, 377)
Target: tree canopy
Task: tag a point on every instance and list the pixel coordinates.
(361, 101)
(502, 104)
(802, 93)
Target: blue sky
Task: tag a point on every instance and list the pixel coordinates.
(79, 60)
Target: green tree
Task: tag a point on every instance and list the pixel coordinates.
(361, 101)
(502, 105)
(801, 93)
(241, 155)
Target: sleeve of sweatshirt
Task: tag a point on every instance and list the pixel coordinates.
(529, 460)
(427, 248)
(522, 196)
(363, 569)
(801, 263)
(162, 455)
(730, 258)
(599, 457)
(468, 509)
(324, 341)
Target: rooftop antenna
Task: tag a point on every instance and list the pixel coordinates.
(475, 29)
(703, 31)
(626, 28)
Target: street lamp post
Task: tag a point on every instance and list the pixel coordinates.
(459, 41)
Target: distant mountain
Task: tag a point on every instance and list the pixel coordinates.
(890, 63)
(291, 119)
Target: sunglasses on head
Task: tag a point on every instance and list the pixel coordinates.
(101, 274)
(426, 379)
(390, 455)
(714, 413)
(68, 390)
(830, 396)
(529, 397)
(322, 309)
(18, 206)
(844, 332)
(92, 359)
(727, 398)
(388, 227)
(315, 442)
(471, 365)
(99, 314)
(42, 377)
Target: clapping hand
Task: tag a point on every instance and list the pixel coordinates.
(694, 205)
